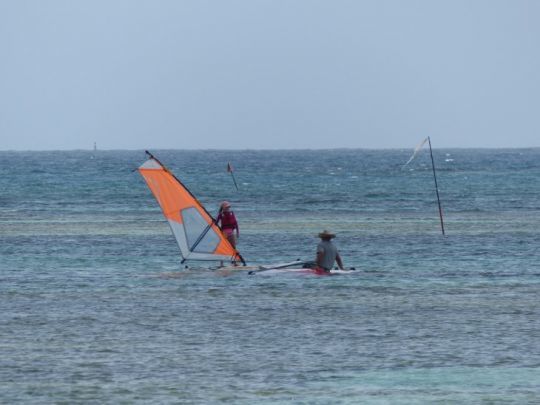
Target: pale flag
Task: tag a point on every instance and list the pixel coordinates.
(416, 150)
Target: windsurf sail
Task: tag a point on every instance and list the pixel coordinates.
(195, 230)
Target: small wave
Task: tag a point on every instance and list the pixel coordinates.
(173, 274)
(377, 195)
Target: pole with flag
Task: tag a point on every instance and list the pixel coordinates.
(416, 150)
(230, 170)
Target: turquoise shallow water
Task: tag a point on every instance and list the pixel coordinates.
(96, 308)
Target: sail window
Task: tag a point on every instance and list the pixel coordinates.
(195, 227)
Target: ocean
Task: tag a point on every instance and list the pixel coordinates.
(95, 306)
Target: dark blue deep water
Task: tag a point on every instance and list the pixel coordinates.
(95, 306)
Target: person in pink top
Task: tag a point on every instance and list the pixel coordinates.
(227, 222)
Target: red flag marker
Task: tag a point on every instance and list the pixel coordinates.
(230, 170)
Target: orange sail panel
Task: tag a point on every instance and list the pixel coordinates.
(198, 237)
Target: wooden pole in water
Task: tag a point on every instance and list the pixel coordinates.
(436, 186)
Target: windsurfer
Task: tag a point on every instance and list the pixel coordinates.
(327, 252)
(226, 220)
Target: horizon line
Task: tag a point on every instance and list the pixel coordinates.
(265, 149)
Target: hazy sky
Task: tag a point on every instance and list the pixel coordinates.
(267, 74)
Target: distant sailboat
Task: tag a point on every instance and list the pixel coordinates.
(195, 230)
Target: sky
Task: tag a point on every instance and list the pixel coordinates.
(268, 74)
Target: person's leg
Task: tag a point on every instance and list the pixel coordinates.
(232, 239)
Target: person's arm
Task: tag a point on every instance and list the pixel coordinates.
(236, 227)
(319, 258)
(218, 220)
(339, 262)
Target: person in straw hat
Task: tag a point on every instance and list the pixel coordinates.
(327, 252)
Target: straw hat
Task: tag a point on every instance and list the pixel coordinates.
(327, 234)
(225, 204)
